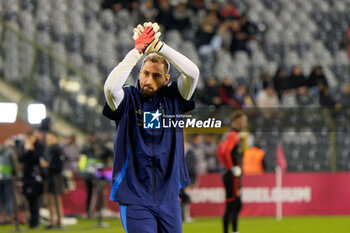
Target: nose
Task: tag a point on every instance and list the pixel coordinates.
(148, 80)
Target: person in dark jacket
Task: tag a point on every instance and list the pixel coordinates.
(304, 96)
(280, 82)
(297, 78)
(33, 165)
(210, 93)
(325, 98)
(205, 34)
(149, 165)
(56, 159)
(165, 16)
(116, 5)
(316, 77)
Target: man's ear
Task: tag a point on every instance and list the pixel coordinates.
(167, 77)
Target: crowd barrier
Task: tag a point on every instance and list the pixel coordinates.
(322, 193)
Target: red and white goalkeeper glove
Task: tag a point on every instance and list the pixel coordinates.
(145, 39)
(155, 45)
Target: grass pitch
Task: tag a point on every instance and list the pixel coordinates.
(313, 224)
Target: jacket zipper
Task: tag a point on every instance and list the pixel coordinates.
(153, 172)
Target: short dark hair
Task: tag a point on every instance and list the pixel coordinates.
(237, 114)
(155, 58)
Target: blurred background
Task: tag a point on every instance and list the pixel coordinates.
(285, 63)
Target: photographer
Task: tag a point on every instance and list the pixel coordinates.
(33, 165)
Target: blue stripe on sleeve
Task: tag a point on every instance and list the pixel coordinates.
(178, 171)
(120, 178)
(122, 209)
(180, 185)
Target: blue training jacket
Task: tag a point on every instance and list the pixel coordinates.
(149, 164)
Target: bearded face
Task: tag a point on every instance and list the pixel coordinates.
(152, 78)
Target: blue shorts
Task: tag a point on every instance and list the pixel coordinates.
(163, 218)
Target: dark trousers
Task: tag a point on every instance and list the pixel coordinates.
(164, 217)
(34, 204)
(231, 214)
(89, 187)
(6, 197)
(233, 201)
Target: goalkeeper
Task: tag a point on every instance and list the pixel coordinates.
(149, 165)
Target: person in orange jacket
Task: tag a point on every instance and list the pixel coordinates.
(253, 161)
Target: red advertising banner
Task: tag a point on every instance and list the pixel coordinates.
(302, 194)
(75, 202)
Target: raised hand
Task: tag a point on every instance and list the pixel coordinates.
(143, 36)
